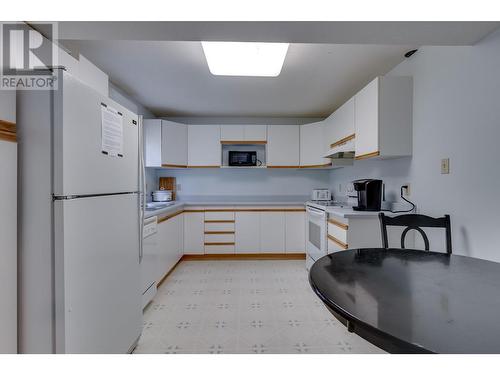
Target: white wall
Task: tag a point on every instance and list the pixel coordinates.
(247, 182)
(457, 115)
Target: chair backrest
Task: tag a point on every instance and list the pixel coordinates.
(415, 222)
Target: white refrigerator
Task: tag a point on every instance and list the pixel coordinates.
(80, 222)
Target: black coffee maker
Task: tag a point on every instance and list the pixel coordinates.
(369, 194)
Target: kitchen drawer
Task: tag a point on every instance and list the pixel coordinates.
(219, 238)
(219, 249)
(219, 227)
(219, 215)
(334, 244)
(337, 230)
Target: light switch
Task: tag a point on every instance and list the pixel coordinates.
(445, 166)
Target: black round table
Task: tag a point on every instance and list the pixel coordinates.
(413, 301)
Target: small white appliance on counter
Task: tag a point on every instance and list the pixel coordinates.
(321, 195)
(162, 195)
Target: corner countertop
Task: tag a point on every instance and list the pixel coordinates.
(347, 212)
(207, 201)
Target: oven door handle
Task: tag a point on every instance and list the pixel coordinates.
(315, 212)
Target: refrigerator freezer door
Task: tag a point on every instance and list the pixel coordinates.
(80, 166)
(97, 275)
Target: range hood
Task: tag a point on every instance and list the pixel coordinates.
(341, 150)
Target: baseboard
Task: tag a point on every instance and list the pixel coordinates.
(169, 272)
(256, 256)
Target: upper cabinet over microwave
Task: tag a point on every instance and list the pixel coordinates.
(383, 118)
(243, 133)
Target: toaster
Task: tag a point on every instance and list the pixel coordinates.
(321, 195)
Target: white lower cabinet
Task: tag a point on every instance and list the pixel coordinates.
(170, 240)
(247, 228)
(295, 232)
(193, 232)
(272, 232)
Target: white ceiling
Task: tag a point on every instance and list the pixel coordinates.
(172, 78)
(326, 63)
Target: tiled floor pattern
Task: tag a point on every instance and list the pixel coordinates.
(243, 307)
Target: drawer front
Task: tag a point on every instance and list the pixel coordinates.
(219, 227)
(337, 232)
(333, 247)
(214, 238)
(219, 249)
(219, 215)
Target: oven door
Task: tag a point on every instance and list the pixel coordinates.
(316, 245)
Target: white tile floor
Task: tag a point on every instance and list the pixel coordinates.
(243, 307)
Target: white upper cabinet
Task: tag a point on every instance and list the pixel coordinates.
(283, 146)
(232, 132)
(340, 125)
(312, 146)
(174, 143)
(383, 118)
(247, 133)
(256, 133)
(152, 143)
(204, 149)
(165, 144)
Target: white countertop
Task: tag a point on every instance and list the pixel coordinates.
(348, 212)
(271, 201)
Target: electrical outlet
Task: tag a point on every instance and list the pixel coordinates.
(406, 192)
(445, 166)
(178, 187)
(340, 188)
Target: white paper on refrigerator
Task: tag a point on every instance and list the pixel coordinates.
(111, 131)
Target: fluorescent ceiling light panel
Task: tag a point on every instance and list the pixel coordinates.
(245, 58)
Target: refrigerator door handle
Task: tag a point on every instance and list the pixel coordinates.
(142, 190)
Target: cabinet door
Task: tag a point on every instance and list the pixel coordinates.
(204, 148)
(283, 145)
(255, 132)
(247, 228)
(312, 145)
(174, 144)
(152, 143)
(272, 232)
(178, 240)
(193, 232)
(366, 115)
(163, 249)
(295, 232)
(232, 132)
(345, 120)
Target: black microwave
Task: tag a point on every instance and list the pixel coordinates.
(242, 158)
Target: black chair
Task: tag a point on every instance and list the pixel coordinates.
(416, 222)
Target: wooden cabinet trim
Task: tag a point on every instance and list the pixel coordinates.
(173, 166)
(338, 242)
(219, 221)
(343, 140)
(338, 224)
(316, 165)
(244, 256)
(203, 166)
(283, 166)
(194, 210)
(165, 218)
(220, 243)
(220, 232)
(243, 142)
(8, 131)
(367, 155)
